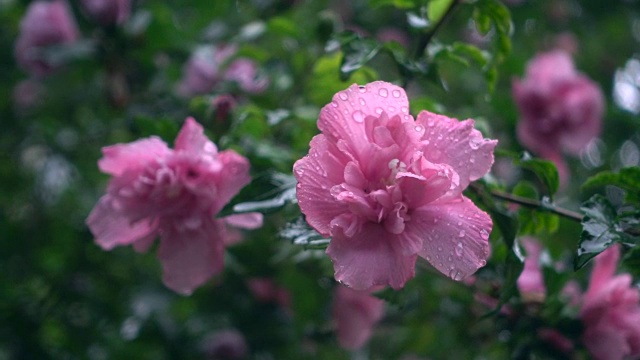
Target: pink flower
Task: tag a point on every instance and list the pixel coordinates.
(560, 109)
(173, 194)
(208, 66)
(355, 313)
(108, 12)
(266, 290)
(611, 311)
(388, 189)
(531, 282)
(46, 23)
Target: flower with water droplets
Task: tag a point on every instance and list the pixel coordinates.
(174, 194)
(388, 189)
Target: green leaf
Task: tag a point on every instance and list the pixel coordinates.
(357, 53)
(400, 4)
(599, 229)
(437, 8)
(627, 179)
(545, 171)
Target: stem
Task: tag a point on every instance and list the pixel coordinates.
(424, 41)
(531, 203)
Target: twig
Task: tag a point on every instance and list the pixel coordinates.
(424, 41)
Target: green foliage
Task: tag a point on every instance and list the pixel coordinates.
(627, 179)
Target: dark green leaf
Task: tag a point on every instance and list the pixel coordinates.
(400, 4)
(627, 179)
(357, 53)
(437, 8)
(545, 171)
(598, 229)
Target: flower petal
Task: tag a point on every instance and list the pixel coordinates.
(344, 118)
(371, 257)
(121, 157)
(192, 140)
(457, 144)
(317, 173)
(249, 221)
(191, 256)
(355, 314)
(111, 228)
(455, 236)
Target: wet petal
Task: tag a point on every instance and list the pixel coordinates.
(121, 157)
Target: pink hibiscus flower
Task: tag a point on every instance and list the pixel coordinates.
(355, 314)
(174, 194)
(611, 311)
(388, 189)
(560, 109)
(46, 23)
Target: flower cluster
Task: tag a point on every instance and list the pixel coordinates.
(388, 189)
(174, 194)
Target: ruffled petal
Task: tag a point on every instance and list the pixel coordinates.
(121, 157)
(190, 257)
(344, 118)
(111, 228)
(371, 257)
(458, 144)
(317, 173)
(455, 236)
(191, 139)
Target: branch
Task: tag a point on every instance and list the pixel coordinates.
(531, 203)
(424, 41)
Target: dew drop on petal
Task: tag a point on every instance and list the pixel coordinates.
(428, 258)
(334, 104)
(455, 274)
(362, 102)
(440, 248)
(343, 96)
(396, 93)
(362, 89)
(383, 92)
(461, 233)
(459, 249)
(358, 116)
(419, 128)
(392, 109)
(484, 234)
(379, 110)
(475, 142)
(404, 109)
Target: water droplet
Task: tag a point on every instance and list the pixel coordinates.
(450, 259)
(383, 92)
(426, 142)
(484, 234)
(472, 160)
(461, 233)
(475, 142)
(404, 109)
(483, 263)
(459, 223)
(440, 248)
(419, 128)
(362, 102)
(428, 258)
(334, 104)
(459, 249)
(392, 109)
(343, 96)
(379, 110)
(396, 93)
(435, 220)
(455, 274)
(362, 89)
(358, 116)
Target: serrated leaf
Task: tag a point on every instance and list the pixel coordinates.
(599, 229)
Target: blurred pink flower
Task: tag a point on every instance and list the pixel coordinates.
(355, 313)
(173, 194)
(531, 282)
(266, 290)
(388, 189)
(108, 12)
(560, 109)
(223, 105)
(611, 311)
(227, 344)
(46, 23)
(210, 65)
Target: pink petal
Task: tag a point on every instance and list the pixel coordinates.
(233, 177)
(584, 104)
(317, 173)
(604, 342)
(531, 282)
(111, 228)
(192, 140)
(344, 117)
(355, 314)
(605, 265)
(249, 221)
(371, 257)
(191, 257)
(122, 157)
(455, 236)
(458, 144)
